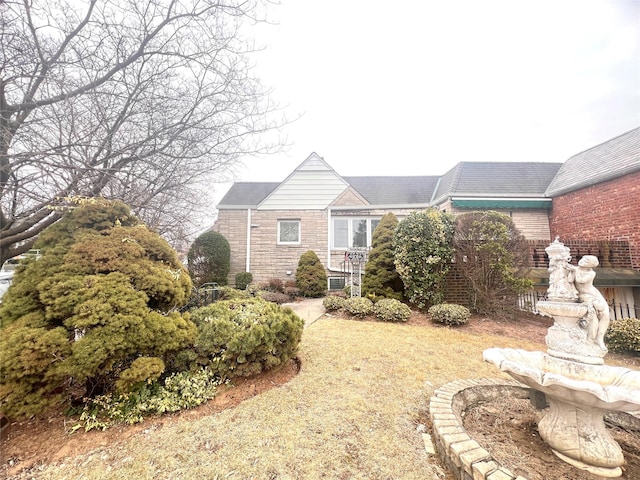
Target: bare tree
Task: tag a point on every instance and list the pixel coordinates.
(137, 100)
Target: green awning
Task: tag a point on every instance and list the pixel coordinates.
(502, 204)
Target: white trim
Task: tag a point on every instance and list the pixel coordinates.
(299, 221)
(408, 206)
(329, 235)
(349, 218)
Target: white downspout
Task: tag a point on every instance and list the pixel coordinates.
(247, 267)
(328, 244)
(329, 239)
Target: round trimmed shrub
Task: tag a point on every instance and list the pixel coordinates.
(243, 279)
(623, 336)
(209, 259)
(358, 306)
(311, 277)
(391, 310)
(449, 314)
(333, 303)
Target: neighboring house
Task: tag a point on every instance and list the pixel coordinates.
(596, 201)
(269, 225)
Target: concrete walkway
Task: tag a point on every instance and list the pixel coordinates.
(309, 309)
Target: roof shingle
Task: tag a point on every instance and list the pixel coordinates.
(611, 159)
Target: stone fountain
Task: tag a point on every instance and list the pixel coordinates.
(578, 386)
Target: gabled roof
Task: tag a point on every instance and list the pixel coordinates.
(403, 190)
(247, 194)
(313, 185)
(496, 179)
(611, 159)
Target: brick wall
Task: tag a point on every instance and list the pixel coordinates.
(606, 211)
(610, 253)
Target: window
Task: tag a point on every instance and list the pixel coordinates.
(288, 232)
(353, 232)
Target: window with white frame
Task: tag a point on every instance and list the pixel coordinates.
(288, 232)
(352, 232)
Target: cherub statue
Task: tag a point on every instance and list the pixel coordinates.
(561, 287)
(598, 308)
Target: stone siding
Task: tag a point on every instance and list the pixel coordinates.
(267, 258)
(606, 211)
(533, 224)
(233, 225)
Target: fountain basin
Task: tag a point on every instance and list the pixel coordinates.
(562, 309)
(579, 394)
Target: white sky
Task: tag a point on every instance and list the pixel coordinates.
(414, 87)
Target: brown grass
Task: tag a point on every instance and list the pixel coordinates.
(351, 413)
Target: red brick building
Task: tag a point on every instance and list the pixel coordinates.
(596, 198)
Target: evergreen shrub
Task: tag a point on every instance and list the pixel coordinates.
(449, 314)
(230, 293)
(423, 252)
(243, 279)
(623, 336)
(332, 303)
(245, 337)
(391, 310)
(358, 306)
(104, 293)
(311, 277)
(381, 280)
(209, 259)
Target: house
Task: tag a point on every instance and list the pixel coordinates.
(269, 225)
(596, 210)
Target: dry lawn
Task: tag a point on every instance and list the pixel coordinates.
(351, 413)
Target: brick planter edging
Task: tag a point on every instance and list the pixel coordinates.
(462, 455)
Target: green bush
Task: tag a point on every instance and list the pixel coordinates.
(423, 252)
(358, 306)
(104, 293)
(311, 277)
(243, 279)
(391, 310)
(623, 336)
(245, 337)
(230, 293)
(449, 314)
(333, 302)
(209, 259)
(177, 392)
(143, 369)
